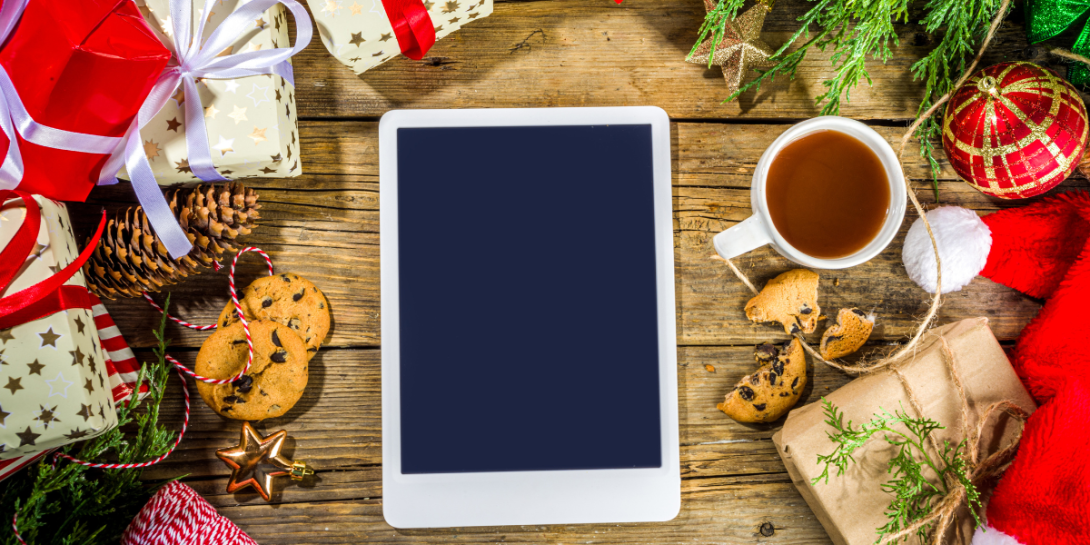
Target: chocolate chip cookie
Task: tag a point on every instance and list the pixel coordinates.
(791, 299)
(848, 334)
(770, 392)
(275, 381)
(288, 299)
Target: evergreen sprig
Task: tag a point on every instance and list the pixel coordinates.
(855, 30)
(919, 481)
(72, 504)
(966, 22)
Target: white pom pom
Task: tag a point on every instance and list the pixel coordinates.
(964, 242)
(991, 536)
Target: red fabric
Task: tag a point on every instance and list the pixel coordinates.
(1044, 497)
(83, 66)
(1044, 250)
(178, 515)
(1033, 246)
(412, 26)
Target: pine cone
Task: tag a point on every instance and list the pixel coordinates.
(130, 259)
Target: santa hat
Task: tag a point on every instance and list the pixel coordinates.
(1044, 497)
(1041, 250)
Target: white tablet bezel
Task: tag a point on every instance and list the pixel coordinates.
(527, 497)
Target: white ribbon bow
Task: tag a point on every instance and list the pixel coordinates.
(15, 120)
(196, 58)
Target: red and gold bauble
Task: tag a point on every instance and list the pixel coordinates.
(1014, 130)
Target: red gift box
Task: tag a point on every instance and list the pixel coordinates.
(84, 66)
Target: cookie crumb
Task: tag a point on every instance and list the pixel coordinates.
(772, 390)
(790, 299)
(850, 332)
(709, 368)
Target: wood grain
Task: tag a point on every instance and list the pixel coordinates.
(337, 423)
(596, 53)
(733, 480)
(324, 226)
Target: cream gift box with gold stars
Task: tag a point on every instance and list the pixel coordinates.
(251, 122)
(54, 387)
(359, 34)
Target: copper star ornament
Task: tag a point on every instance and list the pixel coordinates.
(741, 47)
(254, 451)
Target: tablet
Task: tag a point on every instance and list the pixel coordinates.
(529, 357)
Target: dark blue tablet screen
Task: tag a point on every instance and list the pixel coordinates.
(529, 335)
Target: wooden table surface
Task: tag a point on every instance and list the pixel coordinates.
(324, 225)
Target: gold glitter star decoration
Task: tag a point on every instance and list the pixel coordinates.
(741, 47)
(256, 461)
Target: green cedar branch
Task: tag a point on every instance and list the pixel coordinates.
(919, 480)
(855, 30)
(71, 504)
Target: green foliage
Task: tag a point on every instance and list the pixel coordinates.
(966, 22)
(918, 481)
(72, 504)
(857, 29)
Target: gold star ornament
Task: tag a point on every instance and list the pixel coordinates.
(256, 461)
(741, 47)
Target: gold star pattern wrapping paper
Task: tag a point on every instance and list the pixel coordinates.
(741, 47)
(358, 32)
(251, 122)
(54, 388)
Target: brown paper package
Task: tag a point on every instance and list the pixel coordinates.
(851, 506)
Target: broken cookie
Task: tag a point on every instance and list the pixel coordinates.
(848, 334)
(791, 299)
(770, 392)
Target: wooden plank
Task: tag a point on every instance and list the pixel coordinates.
(733, 480)
(325, 226)
(596, 53)
(714, 511)
(337, 423)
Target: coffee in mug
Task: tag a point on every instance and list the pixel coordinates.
(828, 194)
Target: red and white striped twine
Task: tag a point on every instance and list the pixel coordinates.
(180, 369)
(177, 514)
(238, 310)
(177, 320)
(185, 425)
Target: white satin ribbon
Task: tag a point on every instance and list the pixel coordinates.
(196, 58)
(15, 120)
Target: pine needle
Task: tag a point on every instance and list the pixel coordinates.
(72, 504)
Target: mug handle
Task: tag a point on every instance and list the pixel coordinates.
(744, 237)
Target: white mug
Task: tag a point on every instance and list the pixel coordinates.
(758, 229)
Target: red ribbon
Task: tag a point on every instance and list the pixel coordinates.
(412, 26)
(49, 295)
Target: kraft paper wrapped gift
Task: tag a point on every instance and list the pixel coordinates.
(54, 387)
(851, 506)
(251, 121)
(359, 33)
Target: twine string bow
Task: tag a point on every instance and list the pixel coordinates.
(979, 470)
